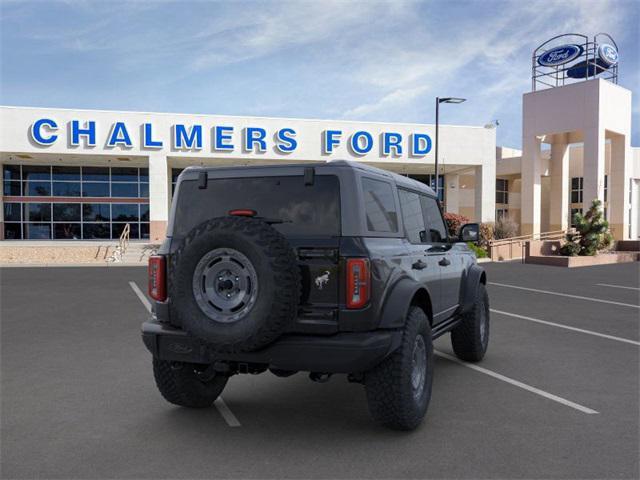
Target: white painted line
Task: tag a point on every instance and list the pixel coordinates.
(617, 286)
(590, 299)
(566, 327)
(143, 298)
(518, 384)
(227, 414)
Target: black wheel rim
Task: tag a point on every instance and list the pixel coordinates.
(225, 285)
(418, 367)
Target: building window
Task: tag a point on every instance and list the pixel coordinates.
(431, 181)
(502, 190)
(175, 173)
(64, 214)
(573, 212)
(502, 213)
(576, 190)
(606, 187)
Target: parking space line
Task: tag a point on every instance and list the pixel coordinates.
(566, 327)
(227, 414)
(616, 286)
(590, 299)
(518, 384)
(224, 411)
(143, 298)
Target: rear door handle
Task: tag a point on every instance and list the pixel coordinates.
(444, 262)
(419, 265)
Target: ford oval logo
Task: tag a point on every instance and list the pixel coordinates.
(608, 54)
(560, 55)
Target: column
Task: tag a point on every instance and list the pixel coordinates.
(559, 195)
(452, 192)
(618, 188)
(485, 191)
(531, 188)
(158, 196)
(593, 167)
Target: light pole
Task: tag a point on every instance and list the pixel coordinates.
(438, 102)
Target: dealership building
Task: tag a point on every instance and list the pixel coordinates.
(85, 174)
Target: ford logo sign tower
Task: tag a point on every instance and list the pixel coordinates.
(572, 57)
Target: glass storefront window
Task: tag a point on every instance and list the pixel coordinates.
(12, 189)
(66, 189)
(144, 190)
(37, 212)
(95, 189)
(124, 190)
(69, 231)
(12, 212)
(124, 175)
(124, 212)
(11, 172)
(37, 189)
(37, 231)
(95, 174)
(96, 212)
(66, 173)
(36, 172)
(96, 231)
(12, 231)
(66, 212)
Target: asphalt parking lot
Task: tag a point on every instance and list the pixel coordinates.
(556, 397)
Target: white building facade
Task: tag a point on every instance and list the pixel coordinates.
(85, 174)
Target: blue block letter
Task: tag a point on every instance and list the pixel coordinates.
(184, 139)
(356, 144)
(119, 136)
(36, 131)
(286, 140)
(421, 144)
(89, 131)
(331, 139)
(222, 136)
(255, 135)
(391, 140)
(147, 138)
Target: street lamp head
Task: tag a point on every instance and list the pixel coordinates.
(451, 100)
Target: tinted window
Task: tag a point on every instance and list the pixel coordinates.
(37, 189)
(66, 173)
(37, 212)
(95, 174)
(70, 231)
(12, 212)
(11, 172)
(66, 212)
(303, 209)
(12, 189)
(37, 231)
(124, 174)
(412, 216)
(66, 189)
(144, 190)
(96, 230)
(379, 205)
(96, 212)
(124, 190)
(95, 189)
(124, 212)
(36, 172)
(436, 231)
(117, 229)
(12, 231)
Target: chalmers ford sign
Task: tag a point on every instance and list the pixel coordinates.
(222, 138)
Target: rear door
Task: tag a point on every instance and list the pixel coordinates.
(423, 265)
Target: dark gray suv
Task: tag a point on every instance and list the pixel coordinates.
(326, 268)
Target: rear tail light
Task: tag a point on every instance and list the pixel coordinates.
(242, 212)
(158, 278)
(358, 282)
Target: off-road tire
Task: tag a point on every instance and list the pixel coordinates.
(278, 275)
(468, 339)
(388, 386)
(179, 384)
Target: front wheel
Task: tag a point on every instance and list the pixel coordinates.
(399, 388)
(470, 338)
(180, 384)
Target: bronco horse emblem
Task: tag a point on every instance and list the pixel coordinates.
(322, 280)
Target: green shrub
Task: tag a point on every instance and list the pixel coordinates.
(479, 251)
(592, 233)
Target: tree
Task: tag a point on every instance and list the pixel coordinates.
(592, 233)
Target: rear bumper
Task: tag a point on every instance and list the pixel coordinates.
(339, 353)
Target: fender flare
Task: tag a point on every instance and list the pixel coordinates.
(398, 301)
(475, 276)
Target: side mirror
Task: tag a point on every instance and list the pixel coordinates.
(469, 232)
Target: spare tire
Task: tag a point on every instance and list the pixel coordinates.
(235, 283)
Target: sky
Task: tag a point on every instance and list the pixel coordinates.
(345, 60)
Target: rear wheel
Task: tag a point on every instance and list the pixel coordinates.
(180, 384)
(399, 388)
(470, 339)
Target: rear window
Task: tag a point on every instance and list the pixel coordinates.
(306, 210)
